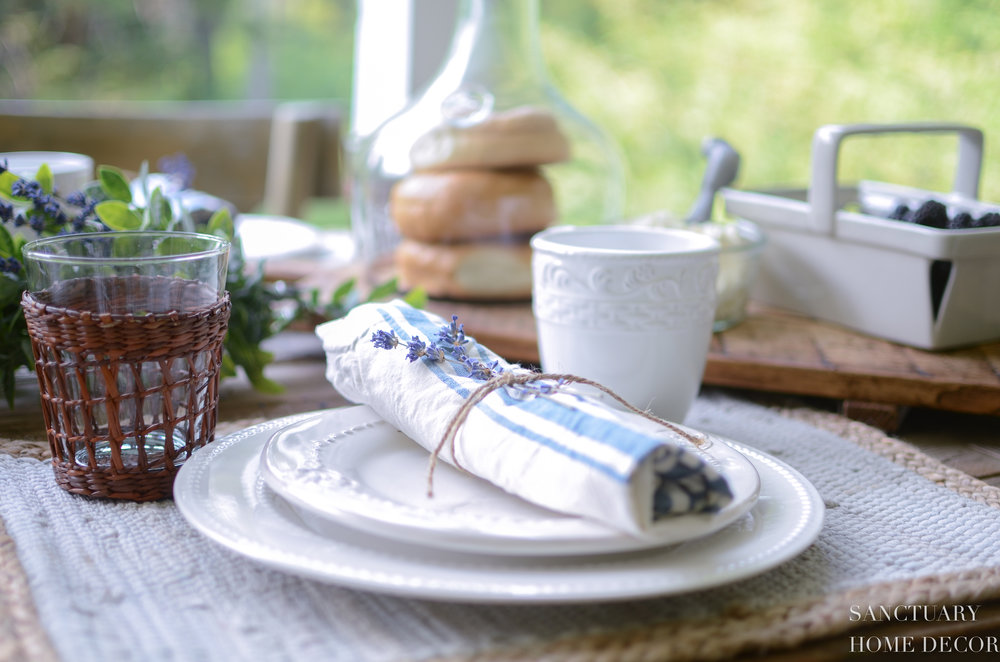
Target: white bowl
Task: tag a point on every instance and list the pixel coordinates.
(70, 172)
(740, 244)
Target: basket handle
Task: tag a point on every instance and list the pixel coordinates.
(826, 152)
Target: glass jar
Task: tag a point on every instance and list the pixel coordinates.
(447, 192)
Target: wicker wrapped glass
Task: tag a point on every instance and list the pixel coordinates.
(127, 332)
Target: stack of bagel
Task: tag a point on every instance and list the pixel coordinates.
(474, 197)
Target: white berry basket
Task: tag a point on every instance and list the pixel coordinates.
(919, 286)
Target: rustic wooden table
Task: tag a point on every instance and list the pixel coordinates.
(946, 404)
(968, 442)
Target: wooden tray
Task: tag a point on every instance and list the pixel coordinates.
(774, 351)
(783, 352)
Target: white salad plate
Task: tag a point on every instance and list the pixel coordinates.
(222, 494)
(352, 467)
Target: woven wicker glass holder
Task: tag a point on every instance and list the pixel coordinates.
(111, 384)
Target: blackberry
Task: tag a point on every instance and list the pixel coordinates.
(933, 214)
(900, 213)
(960, 221)
(988, 220)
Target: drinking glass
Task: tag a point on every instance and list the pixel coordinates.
(127, 330)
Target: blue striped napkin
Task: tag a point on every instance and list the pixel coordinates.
(570, 451)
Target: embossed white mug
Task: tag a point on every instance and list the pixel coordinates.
(628, 307)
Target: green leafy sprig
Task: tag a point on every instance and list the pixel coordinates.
(260, 308)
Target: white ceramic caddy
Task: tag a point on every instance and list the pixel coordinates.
(871, 273)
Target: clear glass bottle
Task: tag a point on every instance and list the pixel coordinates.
(453, 185)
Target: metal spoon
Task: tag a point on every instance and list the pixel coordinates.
(722, 166)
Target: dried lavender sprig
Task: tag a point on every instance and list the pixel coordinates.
(452, 349)
(46, 211)
(454, 340)
(416, 348)
(453, 335)
(385, 339)
(10, 265)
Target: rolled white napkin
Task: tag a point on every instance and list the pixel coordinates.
(570, 451)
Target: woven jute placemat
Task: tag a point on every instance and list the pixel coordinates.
(789, 625)
(734, 633)
(21, 633)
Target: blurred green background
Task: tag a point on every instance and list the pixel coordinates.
(659, 75)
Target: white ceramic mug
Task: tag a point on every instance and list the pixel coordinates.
(628, 307)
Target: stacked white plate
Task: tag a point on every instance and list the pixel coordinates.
(340, 496)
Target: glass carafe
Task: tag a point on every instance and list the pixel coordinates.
(447, 192)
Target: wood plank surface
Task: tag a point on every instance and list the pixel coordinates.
(781, 352)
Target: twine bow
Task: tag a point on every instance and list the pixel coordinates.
(512, 378)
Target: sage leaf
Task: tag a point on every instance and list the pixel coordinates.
(26, 354)
(7, 179)
(417, 297)
(117, 215)
(114, 184)
(228, 368)
(44, 177)
(7, 247)
(222, 222)
(383, 290)
(158, 211)
(343, 290)
(10, 288)
(20, 241)
(173, 246)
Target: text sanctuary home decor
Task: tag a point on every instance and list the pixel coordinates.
(919, 613)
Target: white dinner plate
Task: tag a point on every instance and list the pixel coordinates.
(270, 237)
(221, 493)
(350, 466)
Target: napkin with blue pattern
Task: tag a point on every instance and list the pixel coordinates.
(564, 447)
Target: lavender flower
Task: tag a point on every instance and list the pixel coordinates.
(49, 206)
(452, 349)
(77, 199)
(19, 188)
(479, 370)
(453, 341)
(385, 339)
(10, 265)
(454, 334)
(180, 167)
(45, 214)
(545, 387)
(416, 348)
